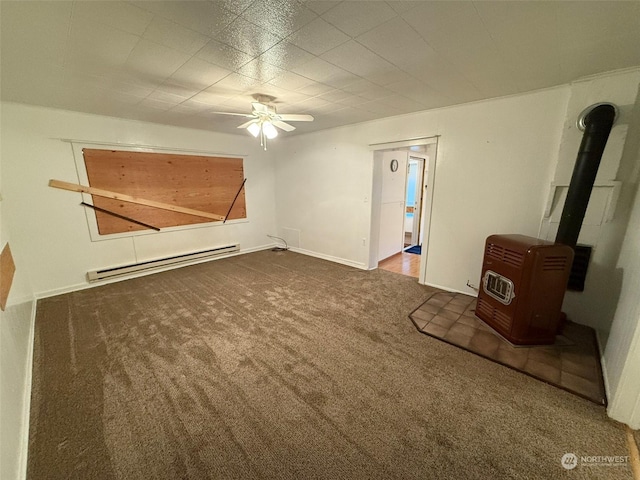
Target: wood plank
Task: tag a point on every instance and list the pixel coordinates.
(74, 187)
(7, 270)
(199, 182)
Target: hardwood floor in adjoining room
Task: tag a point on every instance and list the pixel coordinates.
(403, 263)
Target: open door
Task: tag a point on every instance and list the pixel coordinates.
(392, 203)
(413, 204)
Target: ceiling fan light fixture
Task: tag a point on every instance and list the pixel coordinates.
(254, 129)
(269, 130)
(265, 120)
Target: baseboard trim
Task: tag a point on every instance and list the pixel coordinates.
(85, 286)
(26, 414)
(330, 258)
(603, 365)
(449, 289)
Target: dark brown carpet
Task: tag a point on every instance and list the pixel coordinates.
(281, 366)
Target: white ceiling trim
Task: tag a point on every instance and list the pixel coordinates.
(405, 143)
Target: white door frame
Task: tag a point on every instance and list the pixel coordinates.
(427, 208)
(419, 194)
(431, 144)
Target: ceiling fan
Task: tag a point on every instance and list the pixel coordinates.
(265, 119)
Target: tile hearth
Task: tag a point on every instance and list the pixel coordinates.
(572, 363)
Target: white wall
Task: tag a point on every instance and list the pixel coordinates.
(595, 306)
(49, 228)
(494, 165)
(16, 333)
(49, 236)
(622, 353)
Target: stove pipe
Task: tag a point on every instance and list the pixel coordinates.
(597, 121)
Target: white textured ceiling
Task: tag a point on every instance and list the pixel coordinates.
(176, 62)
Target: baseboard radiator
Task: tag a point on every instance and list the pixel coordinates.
(95, 275)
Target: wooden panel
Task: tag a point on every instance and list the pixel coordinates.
(7, 269)
(194, 182)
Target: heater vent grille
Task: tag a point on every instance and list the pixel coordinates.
(505, 255)
(494, 251)
(485, 308)
(554, 263)
(502, 319)
(512, 257)
(496, 317)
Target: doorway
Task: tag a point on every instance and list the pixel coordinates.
(402, 198)
(413, 203)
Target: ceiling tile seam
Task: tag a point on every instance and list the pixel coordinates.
(242, 12)
(497, 50)
(74, 17)
(254, 56)
(235, 15)
(332, 89)
(215, 64)
(285, 39)
(557, 29)
(147, 28)
(392, 92)
(166, 80)
(67, 40)
(231, 72)
(282, 39)
(302, 48)
(202, 90)
(361, 33)
(179, 25)
(421, 80)
(364, 46)
(140, 38)
(301, 75)
(278, 34)
(327, 11)
(355, 39)
(305, 63)
(454, 68)
(193, 56)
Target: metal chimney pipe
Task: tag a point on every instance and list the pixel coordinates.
(597, 121)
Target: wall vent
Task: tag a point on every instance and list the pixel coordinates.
(105, 273)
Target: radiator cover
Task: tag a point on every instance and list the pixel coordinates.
(522, 287)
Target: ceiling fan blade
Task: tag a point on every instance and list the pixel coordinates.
(295, 117)
(260, 107)
(284, 126)
(247, 115)
(246, 124)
